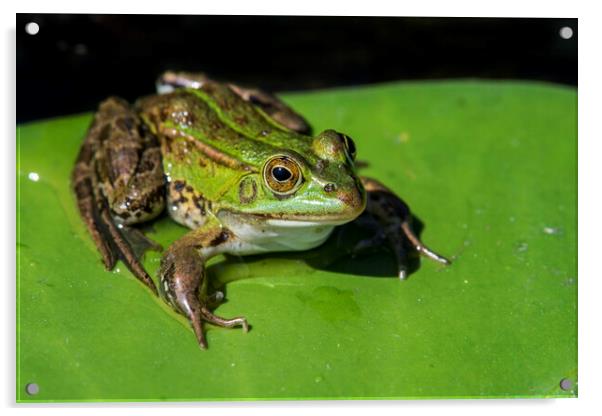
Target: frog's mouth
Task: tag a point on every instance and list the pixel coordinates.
(301, 223)
(291, 220)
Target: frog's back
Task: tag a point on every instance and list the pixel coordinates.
(218, 117)
(210, 139)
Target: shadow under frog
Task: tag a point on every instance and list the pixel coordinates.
(342, 253)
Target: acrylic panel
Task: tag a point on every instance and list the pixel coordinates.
(487, 166)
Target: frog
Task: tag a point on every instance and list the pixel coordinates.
(240, 169)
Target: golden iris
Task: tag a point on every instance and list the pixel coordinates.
(282, 175)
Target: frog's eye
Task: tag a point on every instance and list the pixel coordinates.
(282, 175)
(349, 146)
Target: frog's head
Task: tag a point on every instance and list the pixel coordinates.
(309, 181)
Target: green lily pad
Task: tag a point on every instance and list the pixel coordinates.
(488, 167)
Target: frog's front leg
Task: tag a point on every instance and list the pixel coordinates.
(394, 219)
(184, 280)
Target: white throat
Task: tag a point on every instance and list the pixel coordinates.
(276, 235)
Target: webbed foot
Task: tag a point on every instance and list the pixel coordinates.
(393, 226)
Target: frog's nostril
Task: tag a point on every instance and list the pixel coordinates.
(330, 187)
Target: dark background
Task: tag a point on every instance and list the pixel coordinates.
(77, 60)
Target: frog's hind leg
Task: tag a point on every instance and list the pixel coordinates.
(273, 106)
(90, 207)
(118, 181)
(394, 219)
(184, 283)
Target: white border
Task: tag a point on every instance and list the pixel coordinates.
(459, 8)
(590, 209)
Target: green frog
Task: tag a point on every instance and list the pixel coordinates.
(235, 165)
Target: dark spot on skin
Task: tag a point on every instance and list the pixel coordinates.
(104, 133)
(247, 191)
(86, 153)
(125, 215)
(143, 129)
(179, 185)
(329, 187)
(189, 188)
(221, 238)
(158, 194)
(146, 202)
(164, 115)
(138, 214)
(146, 165)
(254, 99)
(198, 203)
(126, 124)
(82, 189)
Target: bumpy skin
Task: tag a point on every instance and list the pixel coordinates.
(237, 167)
(118, 180)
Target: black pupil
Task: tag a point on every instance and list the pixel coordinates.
(281, 174)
